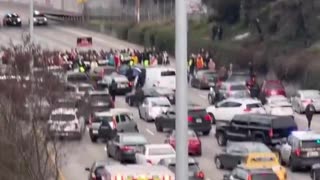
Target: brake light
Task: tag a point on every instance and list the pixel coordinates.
(190, 118)
(208, 117)
(249, 177)
(149, 161)
(126, 148)
(172, 141)
(247, 109)
(200, 175)
(271, 133)
(297, 152)
(130, 84)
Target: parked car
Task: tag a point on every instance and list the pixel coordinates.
(39, 19)
(77, 77)
(271, 88)
(123, 84)
(153, 153)
(264, 128)
(78, 90)
(204, 79)
(194, 171)
(123, 146)
(228, 108)
(232, 90)
(302, 98)
(198, 120)
(279, 106)
(66, 123)
(11, 19)
(153, 107)
(99, 72)
(194, 142)
(236, 152)
(243, 173)
(302, 150)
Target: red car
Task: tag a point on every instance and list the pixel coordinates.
(194, 146)
(272, 88)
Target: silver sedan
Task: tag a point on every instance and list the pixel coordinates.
(153, 107)
(304, 97)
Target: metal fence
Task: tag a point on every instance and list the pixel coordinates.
(150, 10)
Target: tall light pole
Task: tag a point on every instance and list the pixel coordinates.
(181, 90)
(31, 25)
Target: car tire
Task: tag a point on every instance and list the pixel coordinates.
(206, 133)
(159, 128)
(213, 118)
(218, 163)
(210, 100)
(93, 139)
(221, 139)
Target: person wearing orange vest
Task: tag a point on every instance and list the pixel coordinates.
(199, 62)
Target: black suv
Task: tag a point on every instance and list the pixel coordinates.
(268, 129)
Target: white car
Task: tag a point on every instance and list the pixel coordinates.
(153, 153)
(153, 107)
(304, 97)
(64, 122)
(226, 109)
(160, 76)
(279, 106)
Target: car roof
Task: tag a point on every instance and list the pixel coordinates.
(63, 111)
(84, 85)
(172, 160)
(103, 114)
(306, 135)
(158, 145)
(249, 145)
(95, 92)
(256, 170)
(120, 110)
(308, 91)
(243, 100)
(155, 99)
(233, 83)
(134, 170)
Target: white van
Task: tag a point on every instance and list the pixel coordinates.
(161, 76)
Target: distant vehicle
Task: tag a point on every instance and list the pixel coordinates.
(243, 173)
(153, 107)
(271, 88)
(194, 142)
(105, 171)
(198, 120)
(194, 171)
(132, 100)
(279, 106)
(123, 84)
(39, 19)
(153, 153)
(99, 72)
(239, 77)
(67, 103)
(315, 172)
(264, 128)
(124, 146)
(78, 90)
(236, 152)
(66, 123)
(160, 76)
(204, 79)
(302, 150)
(304, 97)
(228, 108)
(77, 77)
(11, 19)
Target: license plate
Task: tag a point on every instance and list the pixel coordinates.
(198, 120)
(95, 132)
(312, 154)
(121, 86)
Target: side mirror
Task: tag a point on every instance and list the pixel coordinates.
(87, 169)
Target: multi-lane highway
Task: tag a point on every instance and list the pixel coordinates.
(76, 155)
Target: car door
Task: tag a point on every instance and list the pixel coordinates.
(234, 156)
(113, 144)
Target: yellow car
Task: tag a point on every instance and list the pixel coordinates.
(266, 160)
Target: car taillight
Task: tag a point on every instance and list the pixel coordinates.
(249, 177)
(130, 84)
(307, 101)
(190, 119)
(271, 133)
(194, 141)
(247, 109)
(126, 148)
(208, 117)
(200, 175)
(297, 152)
(149, 161)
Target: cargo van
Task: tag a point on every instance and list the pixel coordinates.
(161, 77)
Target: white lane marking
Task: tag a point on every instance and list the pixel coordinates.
(150, 132)
(203, 96)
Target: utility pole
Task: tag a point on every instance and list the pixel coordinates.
(31, 79)
(181, 89)
(138, 11)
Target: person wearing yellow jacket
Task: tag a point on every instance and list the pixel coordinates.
(134, 58)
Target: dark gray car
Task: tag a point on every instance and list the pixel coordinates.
(124, 146)
(194, 171)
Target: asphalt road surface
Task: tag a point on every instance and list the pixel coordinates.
(76, 155)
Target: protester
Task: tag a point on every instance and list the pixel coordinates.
(112, 90)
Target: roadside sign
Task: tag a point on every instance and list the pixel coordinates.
(84, 41)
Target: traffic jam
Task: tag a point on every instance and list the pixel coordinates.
(258, 136)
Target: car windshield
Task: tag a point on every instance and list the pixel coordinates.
(236, 78)
(238, 88)
(100, 108)
(133, 139)
(311, 144)
(99, 119)
(62, 117)
(168, 73)
(210, 76)
(38, 15)
(254, 105)
(159, 151)
(77, 78)
(264, 176)
(274, 85)
(100, 97)
(311, 95)
(86, 88)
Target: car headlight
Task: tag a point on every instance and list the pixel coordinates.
(18, 19)
(34, 19)
(45, 19)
